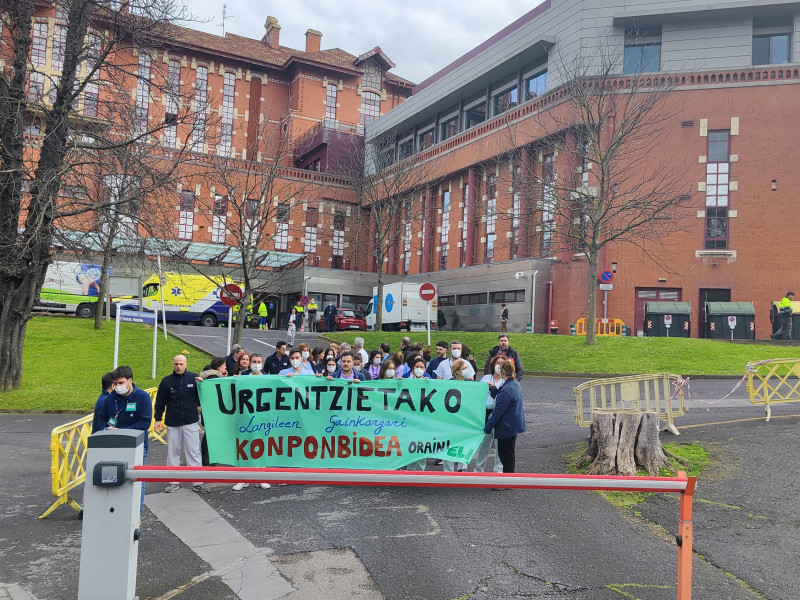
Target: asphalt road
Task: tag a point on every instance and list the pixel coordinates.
(415, 543)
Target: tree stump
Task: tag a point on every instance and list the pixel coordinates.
(622, 442)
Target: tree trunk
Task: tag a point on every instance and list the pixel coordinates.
(623, 442)
(591, 297)
(101, 294)
(240, 318)
(379, 299)
(17, 297)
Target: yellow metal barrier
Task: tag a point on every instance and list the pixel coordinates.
(661, 393)
(152, 434)
(773, 381)
(68, 456)
(603, 327)
(68, 460)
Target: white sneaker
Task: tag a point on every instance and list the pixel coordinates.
(264, 486)
(240, 486)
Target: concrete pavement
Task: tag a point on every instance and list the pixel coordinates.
(398, 543)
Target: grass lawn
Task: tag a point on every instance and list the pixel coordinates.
(629, 355)
(65, 358)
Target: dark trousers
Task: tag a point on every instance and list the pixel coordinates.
(785, 331)
(507, 452)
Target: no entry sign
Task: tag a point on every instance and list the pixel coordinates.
(427, 291)
(230, 294)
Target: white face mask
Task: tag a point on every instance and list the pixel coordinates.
(331, 368)
(390, 373)
(419, 371)
(497, 369)
(256, 367)
(455, 353)
(121, 389)
(305, 354)
(295, 362)
(376, 361)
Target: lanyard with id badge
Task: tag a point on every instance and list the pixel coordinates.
(129, 407)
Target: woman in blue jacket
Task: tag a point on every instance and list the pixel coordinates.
(507, 418)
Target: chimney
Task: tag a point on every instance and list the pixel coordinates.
(313, 40)
(273, 33)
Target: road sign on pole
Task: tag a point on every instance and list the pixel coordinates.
(304, 300)
(606, 276)
(230, 294)
(427, 291)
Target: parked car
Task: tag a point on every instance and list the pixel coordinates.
(345, 319)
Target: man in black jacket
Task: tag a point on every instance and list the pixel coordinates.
(505, 350)
(177, 395)
(277, 361)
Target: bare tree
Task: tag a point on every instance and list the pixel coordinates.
(92, 64)
(590, 166)
(390, 191)
(258, 202)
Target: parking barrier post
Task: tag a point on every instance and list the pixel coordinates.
(112, 503)
(684, 539)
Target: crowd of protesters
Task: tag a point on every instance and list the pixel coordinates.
(177, 399)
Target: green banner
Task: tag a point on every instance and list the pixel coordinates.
(313, 422)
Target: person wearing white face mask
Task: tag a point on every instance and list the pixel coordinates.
(374, 362)
(417, 370)
(256, 368)
(445, 368)
(296, 362)
(358, 367)
(127, 407)
(330, 368)
(387, 370)
(445, 371)
(256, 365)
(305, 358)
(495, 382)
(508, 418)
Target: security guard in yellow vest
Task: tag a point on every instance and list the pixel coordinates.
(312, 314)
(785, 316)
(300, 312)
(262, 315)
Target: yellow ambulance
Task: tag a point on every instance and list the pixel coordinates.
(187, 298)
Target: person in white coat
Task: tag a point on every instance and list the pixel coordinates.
(493, 380)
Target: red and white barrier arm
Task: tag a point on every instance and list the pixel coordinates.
(409, 478)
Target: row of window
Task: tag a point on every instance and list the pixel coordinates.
(496, 100)
(772, 45)
(370, 100)
(503, 297)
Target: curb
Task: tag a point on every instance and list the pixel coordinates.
(565, 375)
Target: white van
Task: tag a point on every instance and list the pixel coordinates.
(71, 287)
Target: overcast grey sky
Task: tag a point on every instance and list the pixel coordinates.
(420, 36)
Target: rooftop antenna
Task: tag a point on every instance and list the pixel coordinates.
(225, 17)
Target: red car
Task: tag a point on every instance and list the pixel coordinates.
(345, 319)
